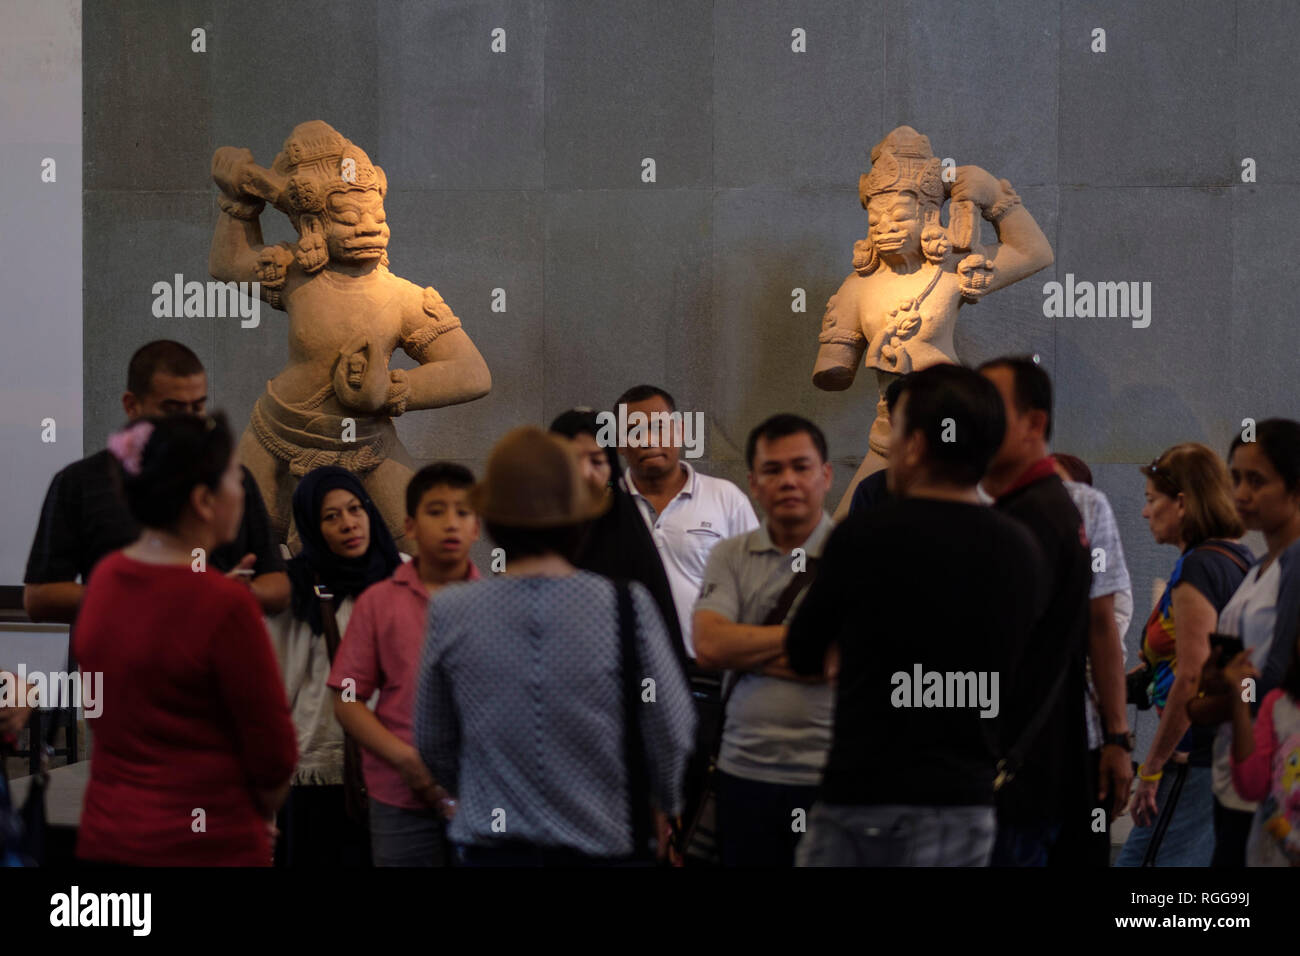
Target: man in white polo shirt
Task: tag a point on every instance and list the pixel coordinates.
(687, 512)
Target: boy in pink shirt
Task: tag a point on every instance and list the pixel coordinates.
(381, 651)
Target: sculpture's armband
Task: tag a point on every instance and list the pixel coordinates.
(1006, 201)
(436, 320)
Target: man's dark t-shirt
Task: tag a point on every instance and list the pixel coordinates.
(1050, 782)
(946, 585)
(871, 491)
(85, 517)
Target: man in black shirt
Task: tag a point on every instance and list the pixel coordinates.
(1051, 781)
(84, 516)
(951, 590)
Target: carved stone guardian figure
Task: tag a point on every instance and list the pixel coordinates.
(898, 308)
(334, 403)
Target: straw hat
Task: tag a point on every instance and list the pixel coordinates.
(534, 480)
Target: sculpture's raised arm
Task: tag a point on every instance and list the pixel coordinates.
(237, 253)
(1021, 249)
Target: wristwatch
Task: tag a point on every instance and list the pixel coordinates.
(1127, 740)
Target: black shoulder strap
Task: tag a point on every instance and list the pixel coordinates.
(1015, 756)
(638, 784)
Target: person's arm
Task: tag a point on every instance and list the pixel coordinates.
(51, 591)
(248, 683)
(725, 645)
(436, 730)
(271, 591)
(54, 602)
(1252, 748)
(14, 716)
(270, 583)
(668, 721)
(1021, 249)
(820, 614)
(1194, 619)
(1107, 655)
(360, 722)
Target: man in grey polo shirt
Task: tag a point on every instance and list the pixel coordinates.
(777, 728)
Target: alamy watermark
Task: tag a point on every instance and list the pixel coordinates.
(949, 689)
(1102, 300)
(208, 300)
(53, 689)
(653, 429)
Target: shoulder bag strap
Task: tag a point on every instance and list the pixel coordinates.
(328, 618)
(638, 784)
(1235, 558)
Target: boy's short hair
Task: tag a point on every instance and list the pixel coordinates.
(430, 476)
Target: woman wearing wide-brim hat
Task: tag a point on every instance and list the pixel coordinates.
(555, 718)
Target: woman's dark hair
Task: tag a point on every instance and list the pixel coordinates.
(182, 451)
(566, 541)
(586, 421)
(1279, 440)
(1074, 466)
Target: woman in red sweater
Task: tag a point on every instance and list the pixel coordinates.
(194, 745)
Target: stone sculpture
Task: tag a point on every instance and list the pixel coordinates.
(911, 274)
(335, 401)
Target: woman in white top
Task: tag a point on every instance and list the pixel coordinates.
(345, 548)
(1266, 489)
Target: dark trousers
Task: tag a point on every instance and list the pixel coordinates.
(757, 822)
(315, 830)
(1024, 844)
(706, 691)
(1231, 832)
(1079, 844)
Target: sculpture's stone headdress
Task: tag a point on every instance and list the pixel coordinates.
(904, 162)
(313, 165)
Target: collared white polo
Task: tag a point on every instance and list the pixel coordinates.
(704, 512)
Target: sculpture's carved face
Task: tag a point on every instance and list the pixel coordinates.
(894, 223)
(356, 228)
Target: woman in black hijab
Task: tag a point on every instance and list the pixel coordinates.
(618, 543)
(345, 548)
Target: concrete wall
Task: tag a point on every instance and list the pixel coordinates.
(522, 171)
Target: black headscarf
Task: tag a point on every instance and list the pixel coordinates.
(344, 577)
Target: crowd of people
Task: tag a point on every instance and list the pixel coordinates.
(650, 673)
